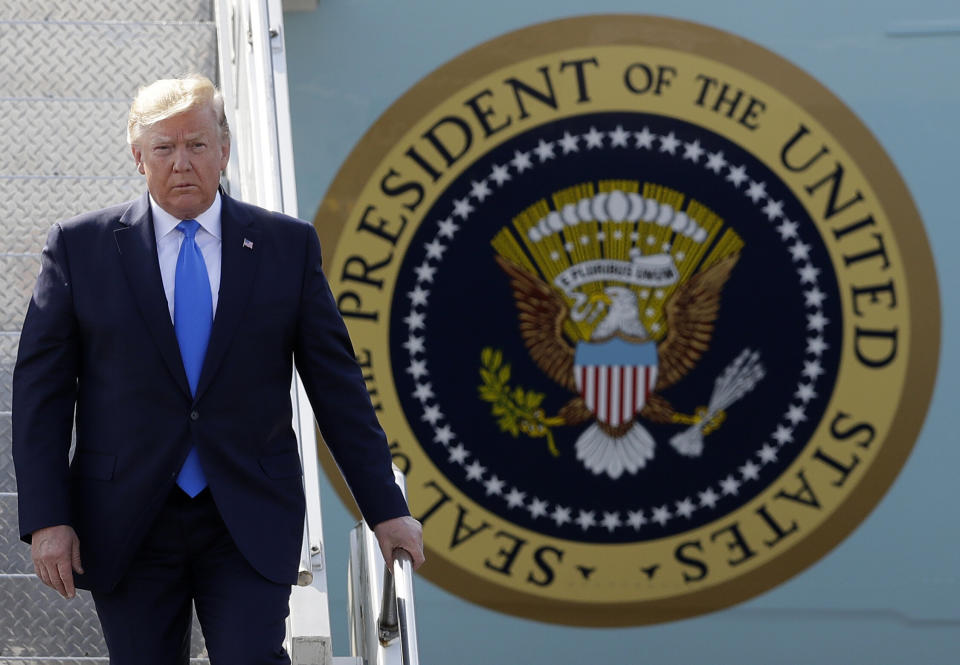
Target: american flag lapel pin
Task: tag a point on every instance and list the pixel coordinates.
(248, 243)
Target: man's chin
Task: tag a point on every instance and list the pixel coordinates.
(186, 204)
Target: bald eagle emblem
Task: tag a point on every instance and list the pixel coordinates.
(619, 326)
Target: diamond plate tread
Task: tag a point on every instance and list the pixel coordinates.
(14, 660)
(100, 60)
(77, 659)
(53, 661)
(8, 358)
(14, 553)
(36, 621)
(107, 10)
(8, 481)
(30, 206)
(18, 274)
(65, 137)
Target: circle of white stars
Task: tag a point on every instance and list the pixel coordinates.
(731, 174)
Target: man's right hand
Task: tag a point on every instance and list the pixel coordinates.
(56, 555)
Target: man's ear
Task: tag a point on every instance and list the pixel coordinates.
(224, 155)
(135, 150)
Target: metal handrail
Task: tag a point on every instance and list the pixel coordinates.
(397, 619)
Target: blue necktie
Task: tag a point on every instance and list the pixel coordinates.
(192, 320)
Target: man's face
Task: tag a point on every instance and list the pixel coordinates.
(182, 158)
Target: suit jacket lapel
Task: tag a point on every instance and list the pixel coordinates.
(137, 245)
(238, 265)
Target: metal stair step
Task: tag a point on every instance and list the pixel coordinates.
(107, 10)
(36, 622)
(100, 60)
(30, 206)
(8, 482)
(8, 358)
(17, 277)
(14, 554)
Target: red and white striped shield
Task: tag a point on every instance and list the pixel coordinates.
(615, 378)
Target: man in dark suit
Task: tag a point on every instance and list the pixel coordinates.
(166, 329)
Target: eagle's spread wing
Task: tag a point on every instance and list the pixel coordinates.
(542, 311)
(691, 312)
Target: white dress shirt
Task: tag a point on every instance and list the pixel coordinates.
(169, 240)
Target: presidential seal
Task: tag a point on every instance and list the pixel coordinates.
(649, 317)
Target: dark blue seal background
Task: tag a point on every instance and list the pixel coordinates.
(471, 306)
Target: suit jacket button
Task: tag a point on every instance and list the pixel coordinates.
(194, 415)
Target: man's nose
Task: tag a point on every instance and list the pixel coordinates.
(181, 159)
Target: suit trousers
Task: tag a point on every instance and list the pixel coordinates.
(188, 555)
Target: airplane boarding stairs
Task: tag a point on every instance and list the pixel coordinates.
(68, 69)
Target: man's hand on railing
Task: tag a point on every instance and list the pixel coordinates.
(403, 532)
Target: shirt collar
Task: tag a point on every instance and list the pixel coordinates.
(164, 222)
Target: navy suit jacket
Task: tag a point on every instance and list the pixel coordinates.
(98, 351)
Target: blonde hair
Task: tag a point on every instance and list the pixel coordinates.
(168, 97)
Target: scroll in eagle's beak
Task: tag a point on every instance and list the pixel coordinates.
(600, 297)
(595, 311)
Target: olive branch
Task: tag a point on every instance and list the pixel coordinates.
(517, 410)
